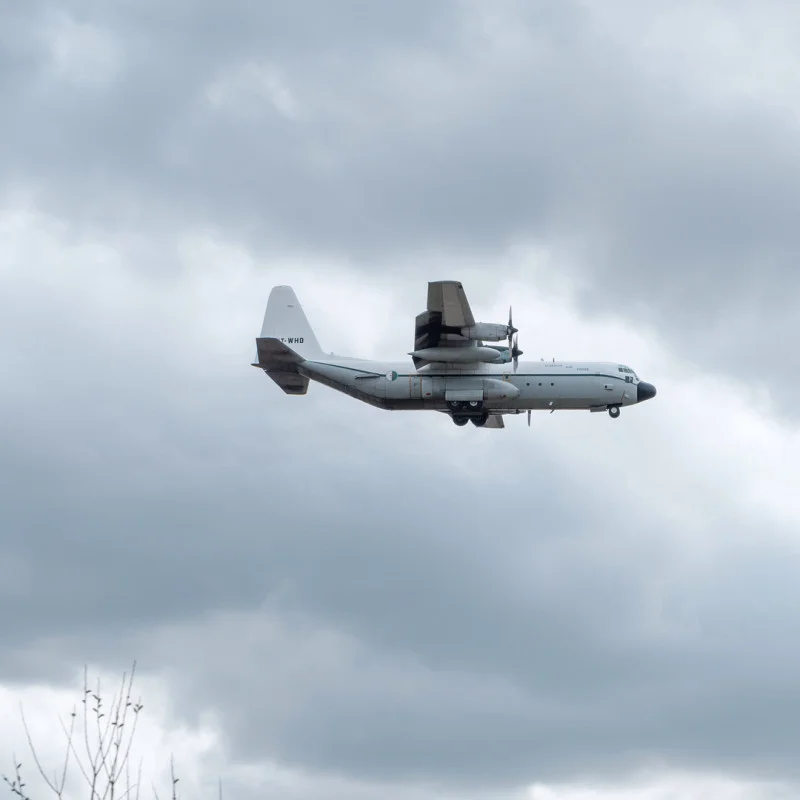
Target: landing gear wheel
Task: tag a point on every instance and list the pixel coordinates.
(613, 412)
(475, 405)
(460, 420)
(480, 421)
(455, 405)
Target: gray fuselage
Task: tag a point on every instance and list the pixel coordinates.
(536, 385)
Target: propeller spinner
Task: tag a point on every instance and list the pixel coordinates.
(515, 353)
(513, 350)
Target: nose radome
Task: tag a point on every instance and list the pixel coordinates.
(645, 391)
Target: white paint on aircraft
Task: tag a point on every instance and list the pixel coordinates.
(451, 370)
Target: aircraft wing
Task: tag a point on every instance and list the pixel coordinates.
(446, 332)
(449, 299)
(447, 312)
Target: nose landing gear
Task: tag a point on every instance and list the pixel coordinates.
(613, 412)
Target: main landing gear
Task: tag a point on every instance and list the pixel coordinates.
(613, 412)
(463, 412)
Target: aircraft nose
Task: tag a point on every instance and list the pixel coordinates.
(645, 391)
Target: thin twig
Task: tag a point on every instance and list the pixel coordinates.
(17, 784)
(174, 779)
(125, 697)
(69, 735)
(71, 746)
(34, 753)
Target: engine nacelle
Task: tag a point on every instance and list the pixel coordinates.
(486, 331)
(503, 354)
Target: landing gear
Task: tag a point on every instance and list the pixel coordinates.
(460, 406)
(463, 411)
(613, 412)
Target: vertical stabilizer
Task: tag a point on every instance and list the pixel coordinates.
(285, 320)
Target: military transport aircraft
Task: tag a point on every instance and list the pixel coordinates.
(451, 369)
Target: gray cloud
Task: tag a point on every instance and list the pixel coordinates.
(435, 126)
(306, 570)
(157, 507)
(501, 693)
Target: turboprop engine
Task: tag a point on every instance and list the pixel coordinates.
(487, 331)
(491, 332)
(480, 331)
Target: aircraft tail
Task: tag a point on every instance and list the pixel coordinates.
(286, 321)
(286, 341)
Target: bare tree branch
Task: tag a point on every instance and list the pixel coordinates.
(105, 765)
(16, 784)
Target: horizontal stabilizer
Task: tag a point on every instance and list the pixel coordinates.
(280, 363)
(274, 353)
(290, 382)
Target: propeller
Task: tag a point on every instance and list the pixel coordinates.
(511, 329)
(515, 353)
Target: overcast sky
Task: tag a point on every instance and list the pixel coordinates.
(328, 600)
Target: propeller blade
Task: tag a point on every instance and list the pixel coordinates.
(511, 328)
